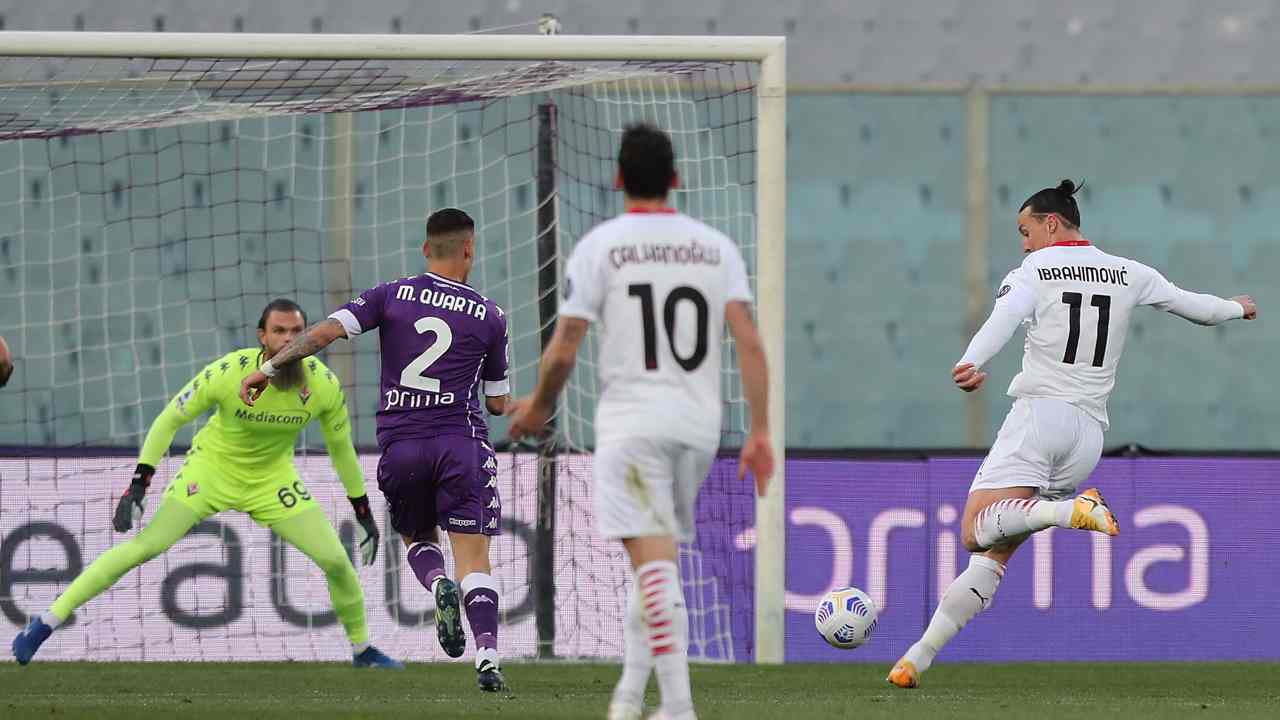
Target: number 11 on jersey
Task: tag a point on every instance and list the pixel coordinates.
(1074, 301)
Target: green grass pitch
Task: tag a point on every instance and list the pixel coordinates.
(258, 691)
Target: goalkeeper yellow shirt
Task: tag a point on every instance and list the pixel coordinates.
(250, 443)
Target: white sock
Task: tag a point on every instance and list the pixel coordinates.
(637, 661)
(357, 648)
(1011, 518)
(489, 654)
(48, 618)
(966, 596)
(667, 625)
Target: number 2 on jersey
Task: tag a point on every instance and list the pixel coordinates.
(412, 376)
(650, 324)
(1075, 301)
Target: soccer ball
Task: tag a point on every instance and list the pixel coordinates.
(846, 618)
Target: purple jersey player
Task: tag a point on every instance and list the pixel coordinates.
(443, 345)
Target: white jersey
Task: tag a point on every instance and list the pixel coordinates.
(1077, 302)
(656, 283)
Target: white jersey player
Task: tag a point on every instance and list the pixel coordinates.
(1076, 302)
(661, 287)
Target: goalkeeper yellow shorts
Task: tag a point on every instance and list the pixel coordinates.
(278, 496)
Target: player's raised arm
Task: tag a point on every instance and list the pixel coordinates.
(1014, 303)
(316, 338)
(1199, 308)
(363, 313)
(757, 453)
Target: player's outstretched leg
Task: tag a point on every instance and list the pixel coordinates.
(311, 533)
(627, 702)
(966, 596)
(1011, 519)
(171, 522)
(30, 639)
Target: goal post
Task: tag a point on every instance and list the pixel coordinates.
(771, 311)
(198, 87)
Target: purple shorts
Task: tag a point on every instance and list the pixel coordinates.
(448, 480)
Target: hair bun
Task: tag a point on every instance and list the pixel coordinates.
(1067, 187)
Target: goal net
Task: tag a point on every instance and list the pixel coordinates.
(150, 206)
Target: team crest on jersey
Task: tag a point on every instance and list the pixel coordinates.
(1004, 290)
(192, 488)
(304, 394)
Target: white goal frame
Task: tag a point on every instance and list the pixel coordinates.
(770, 52)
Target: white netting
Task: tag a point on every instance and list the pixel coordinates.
(150, 208)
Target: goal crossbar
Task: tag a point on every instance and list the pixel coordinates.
(390, 47)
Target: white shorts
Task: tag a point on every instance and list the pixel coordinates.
(1050, 445)
(648, 486)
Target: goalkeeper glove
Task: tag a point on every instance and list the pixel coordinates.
(367, 535)
(129, 509)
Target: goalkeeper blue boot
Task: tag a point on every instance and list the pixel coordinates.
(30, 640)
(372, 657)
(449, 618)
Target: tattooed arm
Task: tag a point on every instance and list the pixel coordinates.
(316, 338)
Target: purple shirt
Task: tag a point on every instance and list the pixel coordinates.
(442, 345)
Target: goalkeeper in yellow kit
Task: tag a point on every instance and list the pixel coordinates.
(242, 460)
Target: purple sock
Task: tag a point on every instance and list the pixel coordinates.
(427, 562)
(480, 598)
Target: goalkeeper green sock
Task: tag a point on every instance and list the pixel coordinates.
(312, 534)
(171, 522)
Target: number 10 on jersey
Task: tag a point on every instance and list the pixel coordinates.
(682, 293)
